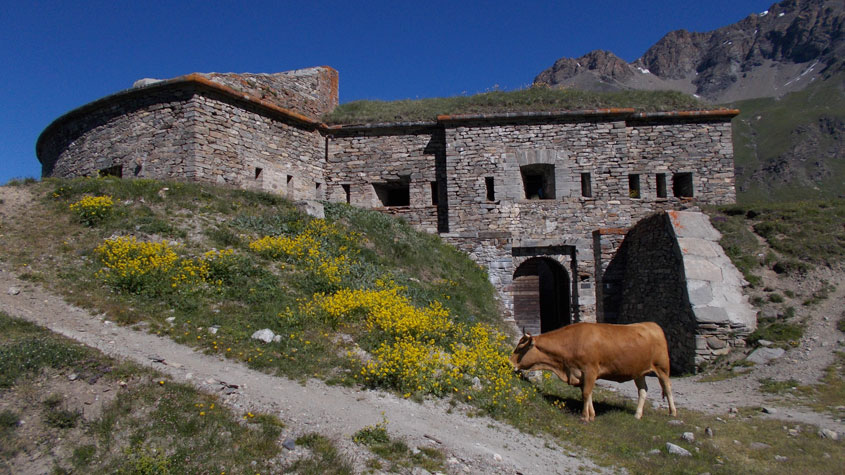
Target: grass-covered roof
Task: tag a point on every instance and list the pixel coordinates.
(535, 99)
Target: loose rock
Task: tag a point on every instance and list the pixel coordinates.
(677, 450)
(266, 335)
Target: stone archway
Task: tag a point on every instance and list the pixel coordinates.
(541, 295)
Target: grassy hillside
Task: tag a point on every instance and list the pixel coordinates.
(358, 299)
(534, 99)
(792, 148)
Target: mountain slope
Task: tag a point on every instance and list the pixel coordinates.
(792, 147)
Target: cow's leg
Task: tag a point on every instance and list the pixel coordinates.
(588, 380)
(666, 385)
(642, 393)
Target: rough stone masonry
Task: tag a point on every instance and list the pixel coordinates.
(561, 208)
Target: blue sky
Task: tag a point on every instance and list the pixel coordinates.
(56, 56)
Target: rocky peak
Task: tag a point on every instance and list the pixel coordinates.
(765, 54)
(604, 64)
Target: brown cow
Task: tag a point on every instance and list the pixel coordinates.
(583, 352)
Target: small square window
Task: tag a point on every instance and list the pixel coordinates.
(394, 192)
(538, 181)
(682, 185)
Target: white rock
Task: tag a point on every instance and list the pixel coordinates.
(677, 450)
(14, 291)
(828, 434)
(266, 335)
(688, 436)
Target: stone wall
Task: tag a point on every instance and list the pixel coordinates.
(245, 146)
(186, 130)
(363, 158)
(141, 135)
(311, 91)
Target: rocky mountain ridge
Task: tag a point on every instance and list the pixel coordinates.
(766, 54)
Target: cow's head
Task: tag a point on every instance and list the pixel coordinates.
(526, 343)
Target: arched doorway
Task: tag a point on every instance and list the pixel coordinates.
(541, 295)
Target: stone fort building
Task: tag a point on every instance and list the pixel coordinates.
(577, 215)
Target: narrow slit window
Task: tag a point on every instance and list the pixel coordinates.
(634, 186)
(586, 185)
(347, 192)
(258, 171)
(289, 185)
(491, 190)
(434, 193)
(682, 185)
(661, 185)
(318, 188)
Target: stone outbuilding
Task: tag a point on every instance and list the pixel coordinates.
(576, 215)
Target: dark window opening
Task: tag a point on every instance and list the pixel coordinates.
(661, 185)
(348, 192)
(394, 192)
(115, 171)
(586, 185)
(258, 173)
(682, 185)
(538, 181)
(289, 185)
(634, 186)
(491, 190)
(137, 170)
(434, 193)
(317, 189)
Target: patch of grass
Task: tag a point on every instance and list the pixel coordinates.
(775, 298)
(840, 325)
(768, 385)
(396, 452)
(533, 99)
(324, 458)
(776, 331)
(9, 419)
(25, 350)
(83, 455)
(61, 418)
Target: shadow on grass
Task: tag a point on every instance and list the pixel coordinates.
(575, 406)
